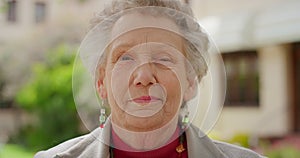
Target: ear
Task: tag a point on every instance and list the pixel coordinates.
(191, 90)
(100, 83)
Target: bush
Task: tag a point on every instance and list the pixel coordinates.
(14, 151)
(241, 139)
(283, 152)
(48, 96)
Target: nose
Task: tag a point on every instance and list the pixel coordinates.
(144, 75)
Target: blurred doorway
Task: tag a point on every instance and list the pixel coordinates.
(296, 74)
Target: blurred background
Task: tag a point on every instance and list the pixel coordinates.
(260, 46)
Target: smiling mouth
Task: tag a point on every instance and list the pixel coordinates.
(145, 99)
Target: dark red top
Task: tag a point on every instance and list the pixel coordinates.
(168, 151)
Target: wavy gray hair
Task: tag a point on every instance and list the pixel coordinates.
(196, 42)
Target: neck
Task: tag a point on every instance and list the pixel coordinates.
(149, 140)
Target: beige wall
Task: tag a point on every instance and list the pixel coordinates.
(276, 92)
(58, 13)
(272, 117)
(203, 8)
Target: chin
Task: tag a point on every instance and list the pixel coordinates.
(143, 124)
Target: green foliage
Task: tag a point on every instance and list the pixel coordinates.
(49, 97)
(4, 6)
(11, 151)
(241, 139)
(284, 152)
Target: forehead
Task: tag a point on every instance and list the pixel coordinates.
(132, 21)
(148, 35)
(136, 28)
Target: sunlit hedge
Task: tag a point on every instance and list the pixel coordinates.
(48, 97)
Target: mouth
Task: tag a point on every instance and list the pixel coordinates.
(146, 99)
(144, 106)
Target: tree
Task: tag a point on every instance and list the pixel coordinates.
(48, 96)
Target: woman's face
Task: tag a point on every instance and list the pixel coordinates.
(145, 79)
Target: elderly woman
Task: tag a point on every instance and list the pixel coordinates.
(150, 55)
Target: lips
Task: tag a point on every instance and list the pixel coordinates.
(146, 99)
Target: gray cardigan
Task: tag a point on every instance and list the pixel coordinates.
(90, 146)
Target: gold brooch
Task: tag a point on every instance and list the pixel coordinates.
(180, 148)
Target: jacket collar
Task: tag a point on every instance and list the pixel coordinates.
(200, 145)
(96, 142)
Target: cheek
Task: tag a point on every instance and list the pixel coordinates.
(118, 83)
(174, 93)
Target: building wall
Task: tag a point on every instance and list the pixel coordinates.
(204, 8)
(24, 42)
(276, 92)
(273, 116)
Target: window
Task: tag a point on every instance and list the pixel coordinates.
(242, 78)
(40, 12)
(12, 11)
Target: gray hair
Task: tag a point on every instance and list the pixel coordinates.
(196, 41)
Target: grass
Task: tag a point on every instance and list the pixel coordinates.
(14, 151)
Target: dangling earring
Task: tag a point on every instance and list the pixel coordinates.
(185, 120)
(102, 117)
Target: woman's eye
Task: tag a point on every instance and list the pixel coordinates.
(165, 59)
(125, 57)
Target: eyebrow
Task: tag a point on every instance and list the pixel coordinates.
(132, 44)
(124, 46)
(128, 44)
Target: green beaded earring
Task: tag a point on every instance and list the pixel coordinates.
(185, 120)
(102, 117)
